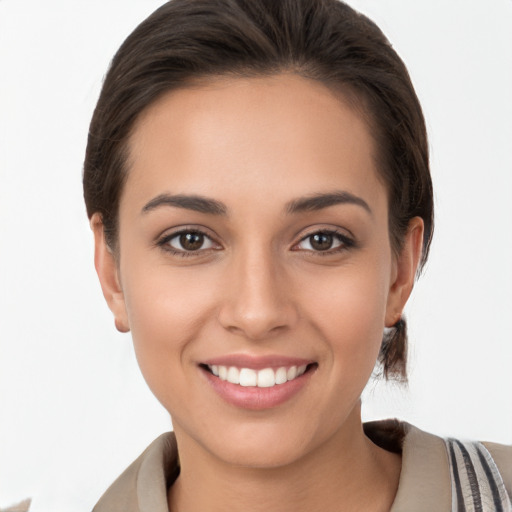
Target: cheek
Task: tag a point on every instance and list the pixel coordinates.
(348, 307)
(167, 309)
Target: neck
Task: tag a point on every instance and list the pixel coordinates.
(348, 469)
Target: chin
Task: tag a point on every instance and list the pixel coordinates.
(265, 444)
(262, 455)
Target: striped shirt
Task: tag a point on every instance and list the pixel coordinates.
(477, 485)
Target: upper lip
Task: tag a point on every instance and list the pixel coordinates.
(257, 362)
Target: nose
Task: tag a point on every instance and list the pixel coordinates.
(257, 297)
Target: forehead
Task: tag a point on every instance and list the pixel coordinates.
(284, 135)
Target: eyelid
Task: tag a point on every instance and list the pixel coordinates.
(343, 235)
(163, 240)
(346, 238)
(204, 238)
(323, 228)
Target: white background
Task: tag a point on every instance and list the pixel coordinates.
(74, 409)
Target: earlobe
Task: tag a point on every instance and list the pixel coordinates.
(406, 267)
(108, 274)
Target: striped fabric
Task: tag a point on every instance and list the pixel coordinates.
(477, 485)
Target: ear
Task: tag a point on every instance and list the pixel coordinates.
(108, 274)
(404, 271)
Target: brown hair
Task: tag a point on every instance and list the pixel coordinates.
(324, 40)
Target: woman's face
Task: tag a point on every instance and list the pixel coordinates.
(254, 244)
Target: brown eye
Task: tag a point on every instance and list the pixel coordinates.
(321, 241)
(188, 241)
(325, 241)
(191, 241)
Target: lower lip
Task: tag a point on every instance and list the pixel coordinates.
(253, 397)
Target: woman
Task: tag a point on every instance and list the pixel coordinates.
(258, 185)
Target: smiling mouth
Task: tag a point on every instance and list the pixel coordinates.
(263, 378)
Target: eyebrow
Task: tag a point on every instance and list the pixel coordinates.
(213, 207)
(189, 202)
(320, 201)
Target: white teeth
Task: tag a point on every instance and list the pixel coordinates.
(291, 373)
(248, 377)
(281, 377)
(265, 378)
(233, 375)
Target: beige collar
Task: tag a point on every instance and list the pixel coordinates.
(424, 481)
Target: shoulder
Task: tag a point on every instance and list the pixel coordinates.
(502, 456)
(22, 506)
(436, 472)
(425, 480)
(480, 476)
(143, 485)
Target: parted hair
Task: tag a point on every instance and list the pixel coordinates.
(323, 40)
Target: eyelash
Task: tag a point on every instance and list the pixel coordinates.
(163, 243)
(345, 242)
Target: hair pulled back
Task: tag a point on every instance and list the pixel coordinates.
(323, 40)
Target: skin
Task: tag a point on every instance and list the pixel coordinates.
(259, 288)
